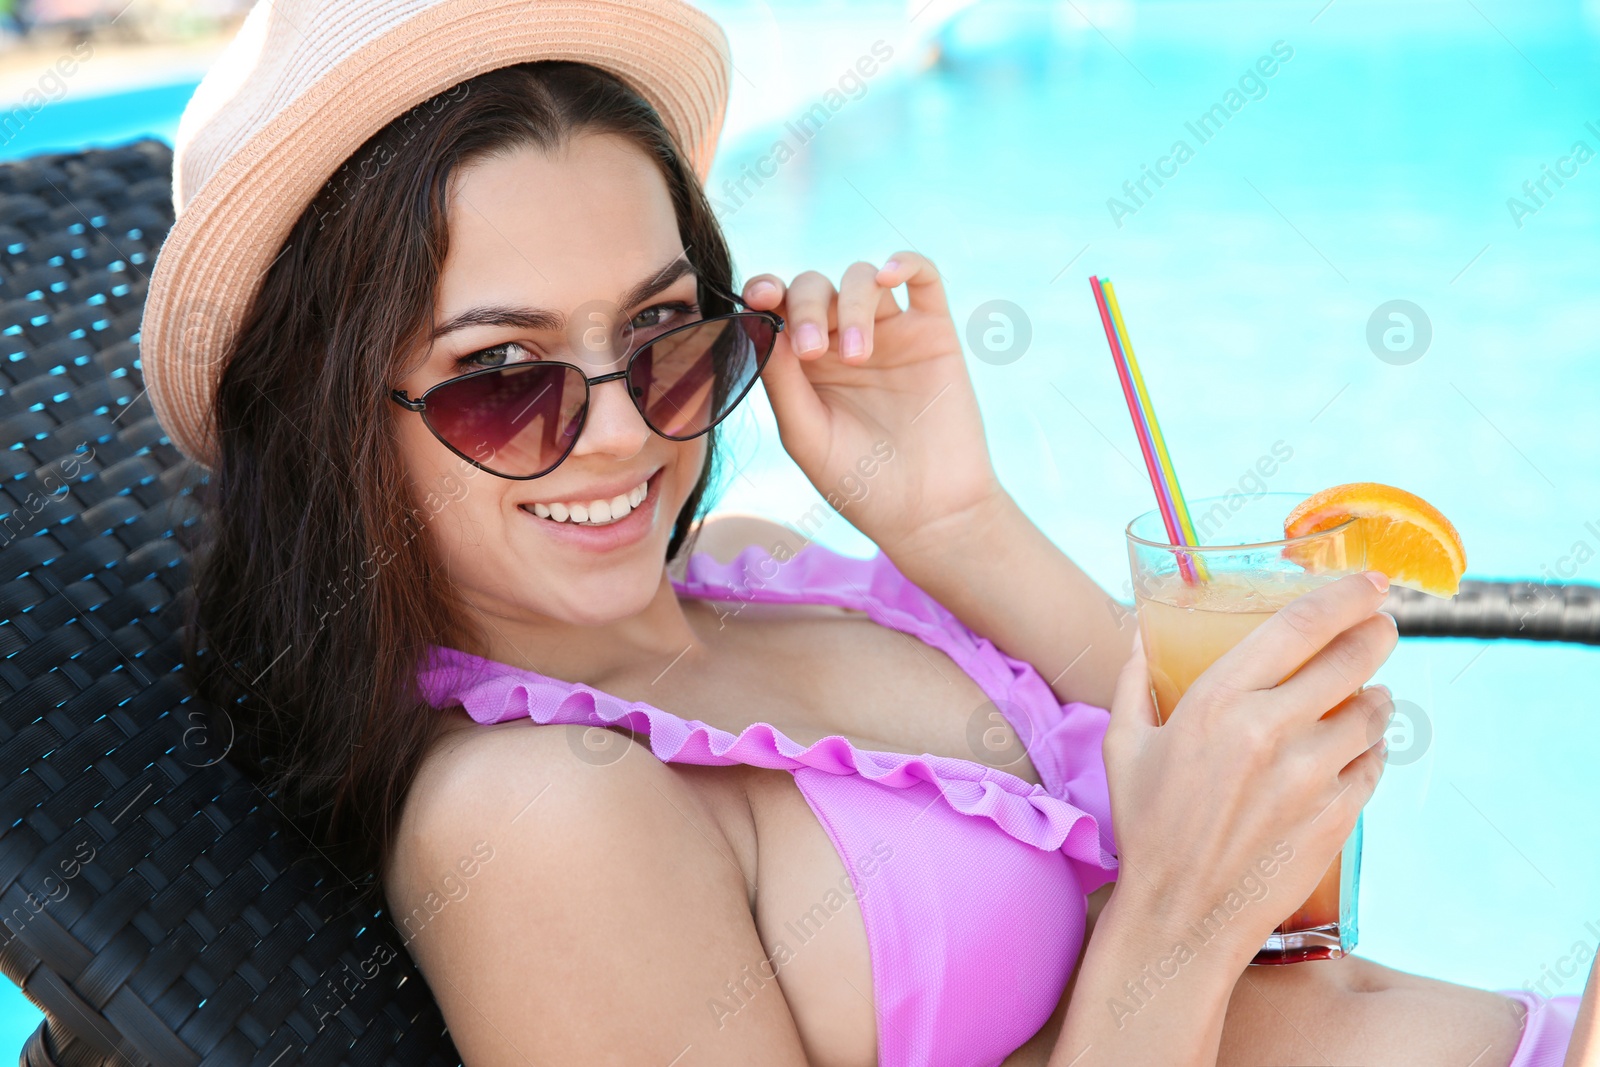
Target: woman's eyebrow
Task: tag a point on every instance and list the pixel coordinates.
(525, 317)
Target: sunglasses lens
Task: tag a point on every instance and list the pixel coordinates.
(687, 381)
(518, 421)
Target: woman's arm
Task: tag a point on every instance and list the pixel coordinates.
(1001, 576)
(1137, 1000)
(1584, 1048)
(897, 400)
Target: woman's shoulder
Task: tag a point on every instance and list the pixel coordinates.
(525, 792)
(752, 559)
(764, 560)
(724, 536)
(482, 773)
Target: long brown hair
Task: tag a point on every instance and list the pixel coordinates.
(315, 591)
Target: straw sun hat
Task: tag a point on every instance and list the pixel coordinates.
(306, 82)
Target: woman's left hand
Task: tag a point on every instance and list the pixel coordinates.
(851, 371)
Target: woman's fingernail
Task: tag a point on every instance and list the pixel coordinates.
(1381, 690)
(1379, 579)
(891, 265)
(810, 338)
(851, 345)
(1392, 620)
(760, 289)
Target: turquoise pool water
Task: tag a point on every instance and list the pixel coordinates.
(1374, 164)
(111, 118)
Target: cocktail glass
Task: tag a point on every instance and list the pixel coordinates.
(1195, 603)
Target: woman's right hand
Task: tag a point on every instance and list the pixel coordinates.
(1252, 782)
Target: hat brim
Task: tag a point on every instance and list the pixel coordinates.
(210, 266)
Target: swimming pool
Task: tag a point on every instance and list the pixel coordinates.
(1373, 164)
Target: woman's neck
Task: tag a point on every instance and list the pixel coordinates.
(651, 641)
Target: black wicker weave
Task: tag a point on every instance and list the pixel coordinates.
(154, 905)
(1533, 611)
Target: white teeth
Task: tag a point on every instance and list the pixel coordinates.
(595, 512)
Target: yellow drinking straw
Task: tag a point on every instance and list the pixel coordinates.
(1185, 523)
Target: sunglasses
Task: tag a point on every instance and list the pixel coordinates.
(520, 420)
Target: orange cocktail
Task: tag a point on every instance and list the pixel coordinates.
(1195, 604)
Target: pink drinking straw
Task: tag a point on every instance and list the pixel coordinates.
(1169, 513)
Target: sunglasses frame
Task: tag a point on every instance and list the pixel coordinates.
(420, 404)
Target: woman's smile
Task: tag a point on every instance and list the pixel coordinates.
(599, 523)
(595, 508)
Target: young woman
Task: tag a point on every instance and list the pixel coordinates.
(644, 790)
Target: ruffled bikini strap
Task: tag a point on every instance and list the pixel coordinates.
(493, 692)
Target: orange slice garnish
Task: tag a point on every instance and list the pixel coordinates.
(1405, 536)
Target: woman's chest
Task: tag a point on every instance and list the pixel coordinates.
(821, 672)
(830, 857)
(896, 929)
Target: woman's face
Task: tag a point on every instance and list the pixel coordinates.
(554, 256)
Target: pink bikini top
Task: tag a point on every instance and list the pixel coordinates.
(971, 881)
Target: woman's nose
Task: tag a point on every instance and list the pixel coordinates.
(613, 425)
